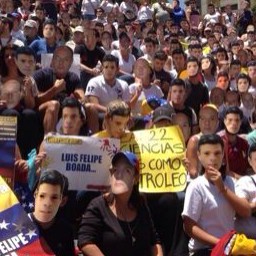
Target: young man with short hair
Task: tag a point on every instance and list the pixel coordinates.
(245, 188)
(90, 55)
(195, 50)
(107, 87)
(179, 58)
(208, 123)
(177, 97)
(236, 148)
(48, 195)
(197, 92)
(210, 202)
(159, 61)
(251, 66)
(48, 43)
(116, 120)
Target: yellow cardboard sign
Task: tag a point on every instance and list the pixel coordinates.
(161, 152)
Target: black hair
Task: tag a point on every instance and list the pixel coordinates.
(149, 39)
(151, 31)
(3, 67)
(234, 43)
(223, 73)
(234, 110)
(236, 63)
(71, 102)
(243, 76)
(99, 24)
(26, 51)
(251, 149)
(251, 63)
(50, 22)
(232, 92)
(107, 33)
(160, 55)
(195, 46)
(8, 21)
(213, 63)
(75, 16)
(39, 8)
(123, 35)
(110, 58)
(221, 49)
(179, 51)
(178, 82)
(192, 59)
(212, 139)
(176, 41)
(52, 177)
(211, 4)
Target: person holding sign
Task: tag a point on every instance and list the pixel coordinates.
(119, 217)
(210, 202)
(166, 207)
(116, 120)
(115, 123)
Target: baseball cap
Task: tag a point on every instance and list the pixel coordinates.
(250, 28)
(31, 24)
(79, 29)
(163, 113)
(15, 15)
(207, 29)
(131, 157)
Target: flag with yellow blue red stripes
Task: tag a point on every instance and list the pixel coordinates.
(19, 236)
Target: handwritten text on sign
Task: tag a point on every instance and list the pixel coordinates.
(161, 152)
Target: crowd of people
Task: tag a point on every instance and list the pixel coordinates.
(135, 65)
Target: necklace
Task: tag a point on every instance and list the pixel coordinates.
(132, 228)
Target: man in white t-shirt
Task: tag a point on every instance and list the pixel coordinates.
(212, 16)
(246, 188)
(210, 202)
(106, 87)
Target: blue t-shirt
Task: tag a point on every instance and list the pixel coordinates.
(40, 46)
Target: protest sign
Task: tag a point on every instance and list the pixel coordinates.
(8, 126)
(19, 236)
(161, 152)
(85, 161)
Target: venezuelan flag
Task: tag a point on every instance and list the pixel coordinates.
(19, 236)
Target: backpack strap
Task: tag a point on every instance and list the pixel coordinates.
(253, 180)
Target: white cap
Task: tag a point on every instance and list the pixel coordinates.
(78, 29)
(31, 24)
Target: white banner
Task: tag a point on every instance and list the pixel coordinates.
(85, 161)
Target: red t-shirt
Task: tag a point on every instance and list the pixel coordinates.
(236, 154)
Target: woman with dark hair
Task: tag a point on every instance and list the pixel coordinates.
(209, 69)
(221, 58)
(223, 81)
(8, 68)
(119, 217)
